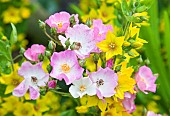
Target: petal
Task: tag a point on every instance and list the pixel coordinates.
(73, 91)
(21, 89)
(34, 93)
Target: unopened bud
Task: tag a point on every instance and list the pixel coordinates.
(82, 62)
(53, 31)
(137, 44)
(41, 24)
(52, 84)
(89, 22)
(147, 61)
(67, 43)
(22, 50)
(95, 58)
(48, 53)
(49, 68)
(126, 44)
(40, 57)
(51, 45)
(140, 60)
(72, 21)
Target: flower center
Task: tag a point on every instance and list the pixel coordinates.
(15, 82)
(77, 45)
(59, 25)
(111, 45)
(82, 88)
(100, 82)
(34, 79)
(65, 68)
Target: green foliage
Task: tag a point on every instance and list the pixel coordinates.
(13, 37)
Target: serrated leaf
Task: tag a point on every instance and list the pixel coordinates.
(13, 37)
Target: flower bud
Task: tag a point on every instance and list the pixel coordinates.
(4, 38)
(52, 84)
(67, 43)
(51, 45)
(95, 58)
(22, 50)
(126, 44)
(49, 68)
(137, 44)
(89, 22)
(53, 31)
(41, 24)
(75, 46)
(48, 54)
(40, 57)
(147, 61)
(72, 21)
(82, 62)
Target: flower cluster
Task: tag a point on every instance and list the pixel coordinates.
(113, 83)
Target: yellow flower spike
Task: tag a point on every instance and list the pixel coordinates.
(82, 109)
(112, 45)
(92, 101)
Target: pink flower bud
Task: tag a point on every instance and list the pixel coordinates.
(52, 84)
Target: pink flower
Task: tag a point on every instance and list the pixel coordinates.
(83, 39)
(33, 52)
(81, 87)
(60, 21)
(34, 77)
(145, 80)
(106, 81)
(128, 102)
(52, 84)
(65, 66)
(150, 113)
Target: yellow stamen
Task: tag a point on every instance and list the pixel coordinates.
(82, 88)
(65, 68)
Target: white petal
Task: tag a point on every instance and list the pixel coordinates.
(73, 91)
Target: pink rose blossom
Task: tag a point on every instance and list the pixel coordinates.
(83, 37)
(145, 79)
(61, 21)
(34, 77)
(150, 113)
(52, 84)
(106, 81)
(128, 102)
(81, 87)
(65, 66)
(33, 52)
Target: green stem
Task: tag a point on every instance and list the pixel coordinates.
(17, 57)
(50, 37)
(125, 32)
(61, 93)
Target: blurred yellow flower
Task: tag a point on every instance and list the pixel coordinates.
(112, 45)
(11, 15)
(11, 80)
(25, 12)
(105, 12)
(24, 109)
(10, 102)
(91, 15)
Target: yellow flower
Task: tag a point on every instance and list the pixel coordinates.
(90, 65)
(112, 45)
(24, 109)
(40, 107)
(91, 15)
(11, 80)
(84, 3)
(125, 82)
(82, 109)
(139, 110)
(3, 112)
(153, 106)
(145, 16)
(11, 15)
(105, 12)
(10, 102)
(25, 12)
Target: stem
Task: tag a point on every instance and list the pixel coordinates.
(50, 36)
(126, 29)
(61, 93)
(17, 57)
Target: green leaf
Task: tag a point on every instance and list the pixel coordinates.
(13, 37)
(69, 113)
(5, 65)
(4, 46)
(125, 8)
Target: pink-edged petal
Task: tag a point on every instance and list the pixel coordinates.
(21, 89)
(34, 93)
